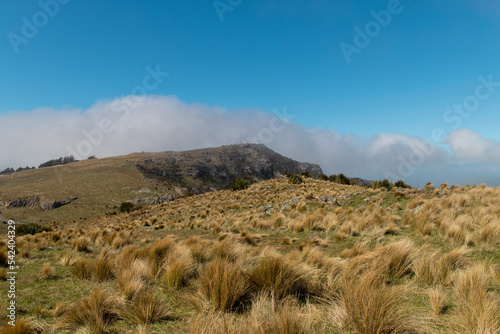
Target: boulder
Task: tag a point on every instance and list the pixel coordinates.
(54, 204)
(268, 209)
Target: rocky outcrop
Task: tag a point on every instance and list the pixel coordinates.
(155, 200)
(268, 209)
(54, 204)
(22, 202)
(289, 203)
(201, 170)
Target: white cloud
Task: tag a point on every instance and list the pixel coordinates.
(162, 123)
(470, 146)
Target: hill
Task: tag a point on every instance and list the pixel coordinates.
(93, 188)
(314, 257)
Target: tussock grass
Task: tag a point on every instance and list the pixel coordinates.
(82, 269)
(224, 286)
(132, 278)
(373, 307)
(46, 272)
(179, 269)
(437, 298)
(272, 316)
(68, 257)
(93, 313)
(375, 263)
(82, 244)
(478, 308)
(146, 308)
(22, 326)
(282, 277)
(102, 269)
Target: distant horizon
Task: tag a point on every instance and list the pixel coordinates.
(418, 184)
(393, 89)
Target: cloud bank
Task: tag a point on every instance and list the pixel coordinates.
(163, 123)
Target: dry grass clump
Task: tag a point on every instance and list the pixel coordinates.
(93, 313)
(201, 250)
(82, 244)
(478, 309)
(229, 249)
(46, 272)
(216, 323)
(102, 268)
(130, 279)
(283, 276)
(472, 283)
(82, 269)
(285, 317)
(180, 267)
(22, 326)
(69, 257)
(373, 307)
(431, 267)
(224, 286)
(490, 234)
(360, 247)
(145, 308)
(397, 258)
(158, 254)
(438, 301)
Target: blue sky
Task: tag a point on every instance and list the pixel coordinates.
(263, 55)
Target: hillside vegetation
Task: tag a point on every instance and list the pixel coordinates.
(83, 190)
(277, 257)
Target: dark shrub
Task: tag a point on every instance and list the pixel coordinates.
(306, 174)
(383, 184)
(342, 179)
(323, 177)
(401, 184)
(295, 179)
(239, 184)
(22, 229)
(127, 207)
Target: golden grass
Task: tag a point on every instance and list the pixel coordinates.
(146, 308)
(438, 300)
(375, 263)
(224, 286)
(46, 272)
(22, 326)
(373, 307)
(93, 313)
(283, 277)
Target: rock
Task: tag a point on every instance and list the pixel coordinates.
(417, 209)
(51, 205)
(155, 200)
(23, 202)
(288, 203)
(329, 199)
(268, 209)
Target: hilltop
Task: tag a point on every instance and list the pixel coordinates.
(92, 188)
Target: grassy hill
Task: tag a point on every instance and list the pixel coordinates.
(98, 186)
(316, 257)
